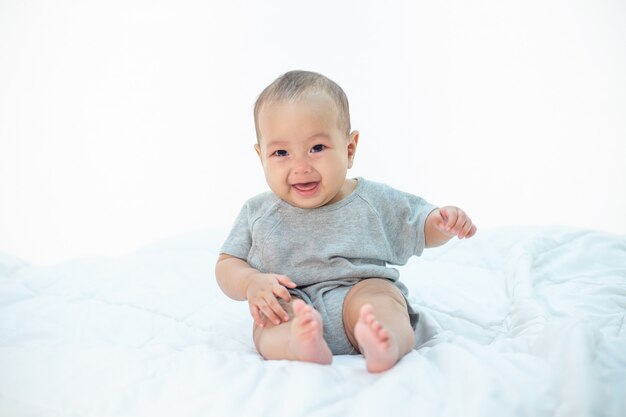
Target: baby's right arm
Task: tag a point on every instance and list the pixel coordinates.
(241, 282)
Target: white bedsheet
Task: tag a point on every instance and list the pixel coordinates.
(517, 322)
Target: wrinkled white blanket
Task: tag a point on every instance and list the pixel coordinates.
(516, 322)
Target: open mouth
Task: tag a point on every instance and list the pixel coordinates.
(306, 188)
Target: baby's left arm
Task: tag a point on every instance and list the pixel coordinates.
(444, 223)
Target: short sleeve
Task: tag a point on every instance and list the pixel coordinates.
(239, 240)
(404, 217)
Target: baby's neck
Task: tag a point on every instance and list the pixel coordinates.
(348, 187)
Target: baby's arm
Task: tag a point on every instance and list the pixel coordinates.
(241, 282)
(444, 223)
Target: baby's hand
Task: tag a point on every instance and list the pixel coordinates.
(262, 292)
(452, 221)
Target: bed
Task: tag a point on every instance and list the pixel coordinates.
(518, 321)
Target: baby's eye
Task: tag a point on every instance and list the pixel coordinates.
(318, 148)
(280, 152)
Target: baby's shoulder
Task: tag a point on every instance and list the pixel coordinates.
(261, 203)
(385, 199)
(377, 192)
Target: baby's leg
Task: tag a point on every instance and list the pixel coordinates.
(301, 338)
(377, 323)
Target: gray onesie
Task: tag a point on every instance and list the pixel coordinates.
(327, 250)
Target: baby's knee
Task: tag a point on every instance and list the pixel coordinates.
(381, 293)
(376, 291)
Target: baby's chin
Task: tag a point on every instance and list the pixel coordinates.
(299, 198)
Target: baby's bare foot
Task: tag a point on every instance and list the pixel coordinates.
(380, 349)
(307, 342)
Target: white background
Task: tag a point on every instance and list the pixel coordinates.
(126, 121)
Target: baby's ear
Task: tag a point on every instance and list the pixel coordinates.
(353, 141)
(257, 148)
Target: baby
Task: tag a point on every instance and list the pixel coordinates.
(311, 256)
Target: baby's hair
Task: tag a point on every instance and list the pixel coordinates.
(296, 84)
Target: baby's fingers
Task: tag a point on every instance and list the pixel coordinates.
(451, 217)
(286, 281)
(282, 293)
(273, 311)
(466, 230)
(256, 315)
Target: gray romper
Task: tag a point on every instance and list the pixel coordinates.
(327, 250)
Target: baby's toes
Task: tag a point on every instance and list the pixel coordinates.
(383, 333)
(311, 325)
(370, 320)
(377, 326)
(299, 307)
(366, 311)
(307, 320)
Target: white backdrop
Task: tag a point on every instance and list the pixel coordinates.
(126, 121)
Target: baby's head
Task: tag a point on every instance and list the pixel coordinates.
(302, 123)
(300, 85)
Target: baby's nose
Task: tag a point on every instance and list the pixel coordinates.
(302, 170)
(302, 166)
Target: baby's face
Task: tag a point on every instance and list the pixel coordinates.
(304, 154)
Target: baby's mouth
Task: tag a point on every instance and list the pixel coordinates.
(306, 188)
